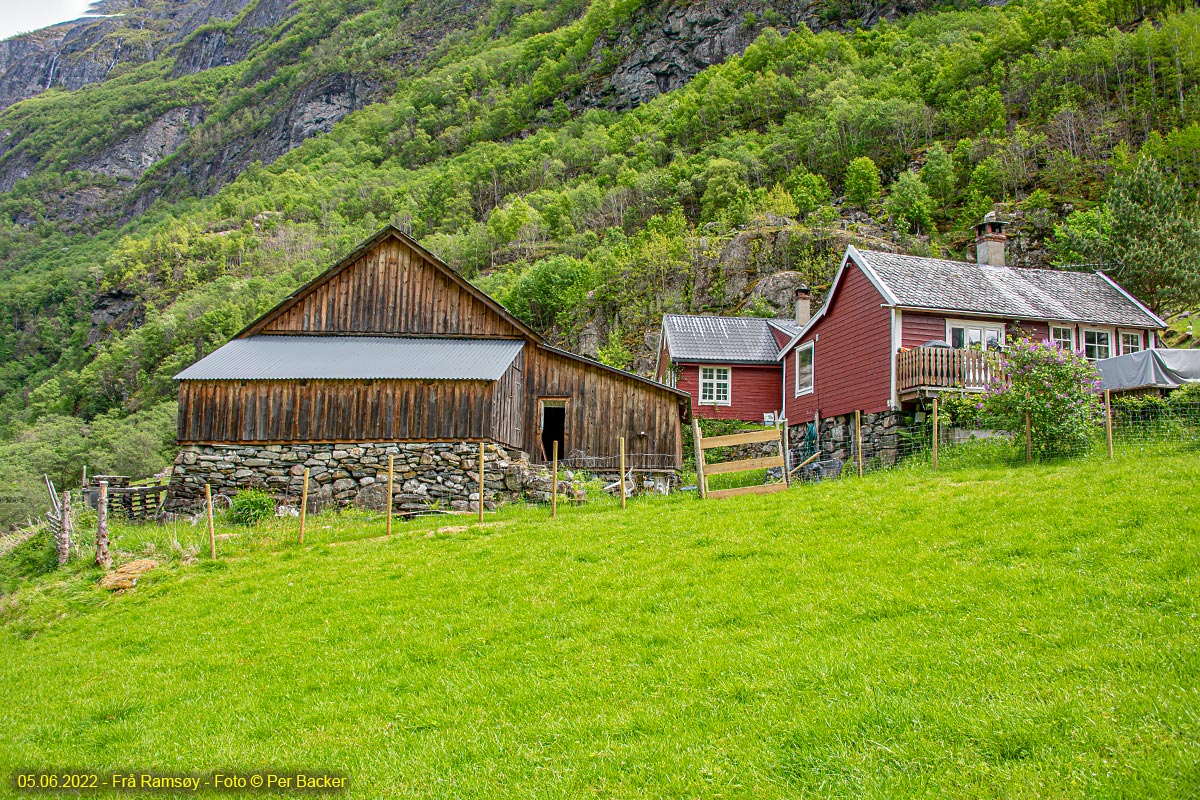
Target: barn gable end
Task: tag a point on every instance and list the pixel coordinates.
(389, 286)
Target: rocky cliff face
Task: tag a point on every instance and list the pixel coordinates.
(88, 50)
(676, 40)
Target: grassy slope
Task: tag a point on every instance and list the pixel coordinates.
(981, 632)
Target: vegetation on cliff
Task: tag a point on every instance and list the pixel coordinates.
(589, 223)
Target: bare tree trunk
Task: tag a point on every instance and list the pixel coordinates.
(62, 537)
(103, 558)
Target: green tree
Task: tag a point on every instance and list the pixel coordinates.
(862, 182)
(724, 181)
(778, 201)
(1155, 237)
(938, 175)
(908, 200)
(809, 191)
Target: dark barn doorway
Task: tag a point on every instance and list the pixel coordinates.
(554, 427)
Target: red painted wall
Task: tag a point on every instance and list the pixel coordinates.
(754, 390)
(852, 357)
(916, 328)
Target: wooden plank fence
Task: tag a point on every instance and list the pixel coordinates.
(704, 469)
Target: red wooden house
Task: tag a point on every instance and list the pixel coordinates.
(896, 329)
(729, 365)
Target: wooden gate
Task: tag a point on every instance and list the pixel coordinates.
(704, 469)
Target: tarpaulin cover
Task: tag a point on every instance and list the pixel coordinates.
(1150, 369)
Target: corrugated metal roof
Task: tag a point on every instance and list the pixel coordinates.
(734, 340)
(943, 285)
(356, 358)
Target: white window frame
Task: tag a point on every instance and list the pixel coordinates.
(1109, 348)
(715, 382)
(1140, 339)
(1070, 329)
(812, 370)
(983, 327)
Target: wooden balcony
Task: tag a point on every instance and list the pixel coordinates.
(926, 371)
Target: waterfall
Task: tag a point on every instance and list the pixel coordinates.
(50, 78)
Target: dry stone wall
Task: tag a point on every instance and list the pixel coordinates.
(836, 438)
(426, 475)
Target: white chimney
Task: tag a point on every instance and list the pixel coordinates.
(990, 240)
(803, 305)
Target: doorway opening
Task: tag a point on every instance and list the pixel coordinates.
(554, 425)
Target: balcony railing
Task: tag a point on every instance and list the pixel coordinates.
(940, 368)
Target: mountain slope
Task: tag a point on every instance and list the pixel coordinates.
(526, 145)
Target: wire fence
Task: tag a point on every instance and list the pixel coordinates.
(860, 448)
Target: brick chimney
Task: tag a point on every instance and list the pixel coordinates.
(803, 305)
(990, 240)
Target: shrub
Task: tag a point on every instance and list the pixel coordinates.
(1060, 391)
(251, 506)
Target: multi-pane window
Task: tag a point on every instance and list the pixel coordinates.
(1063, 337)
(978, 336)
(1131, 342)
(804, 369)
(1097, 345)
(714, 385)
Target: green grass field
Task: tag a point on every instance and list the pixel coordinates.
(981, 632)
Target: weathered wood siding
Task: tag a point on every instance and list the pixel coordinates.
(601, 407)
(390, 289)
(334, 411)
(508, 405)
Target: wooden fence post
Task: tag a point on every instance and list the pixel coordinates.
(936, 432)
(212, 533)
(63, 540)
(858, 438)
(481, 444)
(783, 450)
(103, 558)
(554, 481)
(701, 481)
(304, 505)
(622, 441)
(391, 483)
(1028, 439)
(1108, 421)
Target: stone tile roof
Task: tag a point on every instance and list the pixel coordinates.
(941, 285)
(723, 340)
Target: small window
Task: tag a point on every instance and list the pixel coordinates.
(714, 386)
(976, 336)
(1096, 345)
(1131, 342)
(804, 369)
(1064, 338)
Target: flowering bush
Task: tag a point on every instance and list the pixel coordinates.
(1059, 389)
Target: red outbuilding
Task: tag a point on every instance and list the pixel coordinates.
(729, 365)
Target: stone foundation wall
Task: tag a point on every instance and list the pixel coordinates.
(426, 474)
(836, 437)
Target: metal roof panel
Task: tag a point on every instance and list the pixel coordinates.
(273, 357)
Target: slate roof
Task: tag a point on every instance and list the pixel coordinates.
(937, 284)
(723, 340)
(355, 358)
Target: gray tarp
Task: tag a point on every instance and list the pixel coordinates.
(1150, 369)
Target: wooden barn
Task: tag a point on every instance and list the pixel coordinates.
(390, 345)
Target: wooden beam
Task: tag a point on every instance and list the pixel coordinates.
(763, 488)
(750, 437)
(697, 441)
(765, 462)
